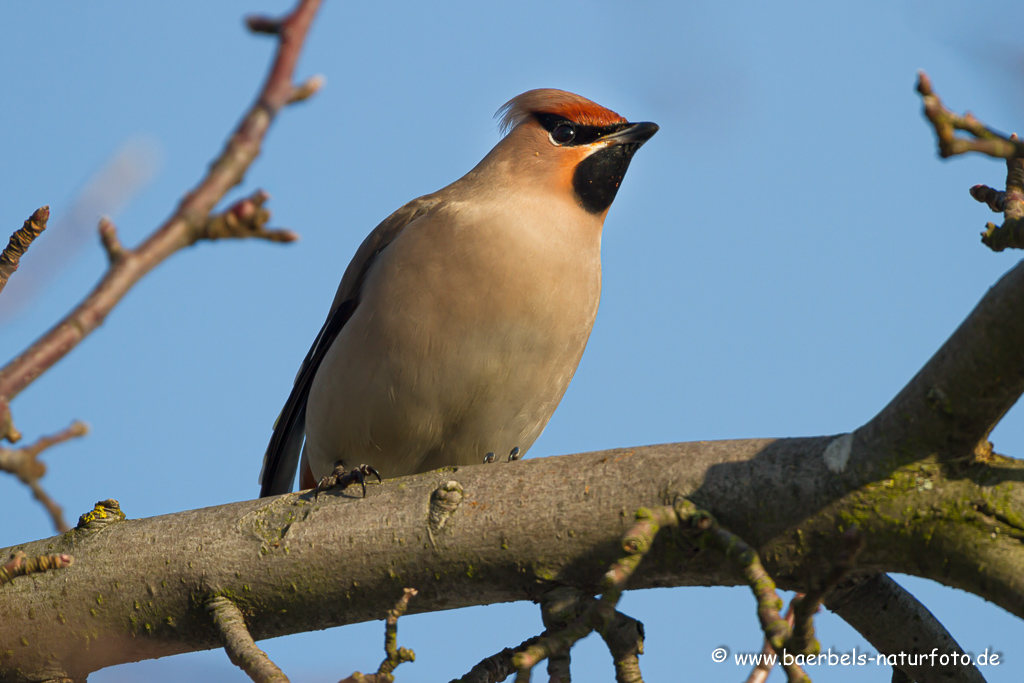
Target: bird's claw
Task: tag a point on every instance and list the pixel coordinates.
(513, 455)
(342, 478)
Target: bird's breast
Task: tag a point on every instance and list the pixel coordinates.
(467, 333)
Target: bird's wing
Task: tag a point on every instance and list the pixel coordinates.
(282, 456)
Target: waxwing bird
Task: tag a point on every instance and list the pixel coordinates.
(462, 317)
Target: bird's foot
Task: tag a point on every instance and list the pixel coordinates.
(512, 455)
(342, 478)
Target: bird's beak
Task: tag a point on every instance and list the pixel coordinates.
(633, 134)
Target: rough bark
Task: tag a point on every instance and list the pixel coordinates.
(293, 563)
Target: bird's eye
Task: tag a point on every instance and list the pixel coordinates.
(563, 133)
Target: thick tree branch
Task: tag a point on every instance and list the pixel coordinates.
(10, 257)
(279, 558)
(189, 222)
(953, 403)
(869, 605)
(956, 400)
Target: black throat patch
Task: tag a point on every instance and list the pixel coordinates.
(597, 178)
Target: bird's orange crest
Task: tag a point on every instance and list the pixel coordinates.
(549, 101)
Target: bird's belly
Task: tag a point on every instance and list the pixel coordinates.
(434, 383)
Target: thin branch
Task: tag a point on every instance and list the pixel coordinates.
(636, 542)
(945, 122)
(1009, 202)
(7, 429)
(624, 637)
(776, 627)
(304, 91)
(24, 464)
(245, 218)
(110, 241)
(22, 565)
(20, 241)
(559, 608)
(270, 26)
(189, 221)
(765, 664)
(239, 645)
(498, 666)
(1009, 235)
(394, 655)
(995, 199)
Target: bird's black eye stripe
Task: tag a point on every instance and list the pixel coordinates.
(583, 135)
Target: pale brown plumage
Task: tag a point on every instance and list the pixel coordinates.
(462, 317)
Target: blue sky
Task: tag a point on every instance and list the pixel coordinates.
(783, 256)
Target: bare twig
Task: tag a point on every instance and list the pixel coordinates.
(559, 608)
(624, 637)
(110, 241)
(1009, 202)
(764, 666)
(307, 89)
(497, 667)
(20, 241)
(24, 464)
(190, 220)
(1009, 235)
(260, 24)
(394, 655)
(239, 645)
(602, 617)
(776, 628)
(945, 122)
(601, 613)
(7, 428)
(996, 199)
(21, 565)
(132, 165)
(245, 218)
